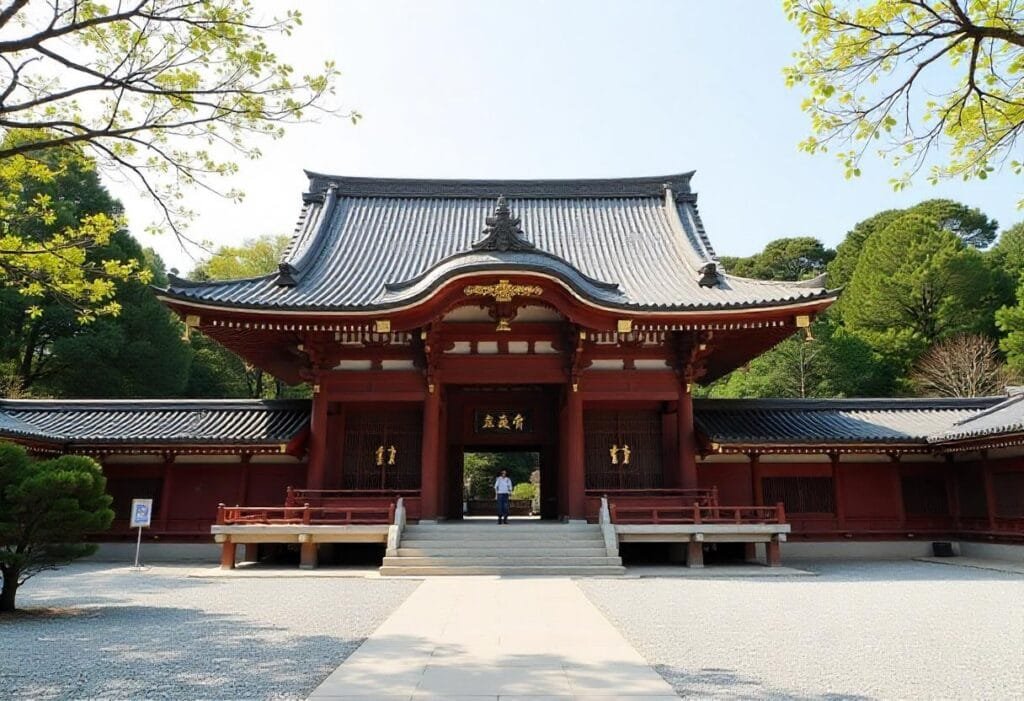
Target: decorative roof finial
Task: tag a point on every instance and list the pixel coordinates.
(709, 275)
(502, 232)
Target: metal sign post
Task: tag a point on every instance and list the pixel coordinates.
(142, 513)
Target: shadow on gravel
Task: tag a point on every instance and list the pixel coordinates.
(161, 652)
(729, 684)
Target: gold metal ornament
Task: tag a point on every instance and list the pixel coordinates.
(503, 291)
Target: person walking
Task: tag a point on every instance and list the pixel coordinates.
(503, 492)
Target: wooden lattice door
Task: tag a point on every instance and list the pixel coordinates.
(623, 449)
(382, 449)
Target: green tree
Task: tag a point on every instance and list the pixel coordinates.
(784, 259)
(255, 257)
(835, 363)
(44, 253)
(1008, 253)
(914, 284)
(46, 509)
(910, 79)
(139, 353)
(168, 94)
(1010, 320)
(216, 371)
(136, 353)
(840, 269)
(969, 224)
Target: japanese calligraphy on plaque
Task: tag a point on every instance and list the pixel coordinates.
(502, 421)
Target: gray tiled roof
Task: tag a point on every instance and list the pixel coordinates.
(368, 243)
(1005, 417)
(726, 421)
(825, 421)
(162, 421)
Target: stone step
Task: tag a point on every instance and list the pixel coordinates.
(541, 570)
(503, 537)
(435, 551)
(433, 544)
(500, 561)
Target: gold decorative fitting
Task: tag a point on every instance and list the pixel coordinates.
(624, 325)
(626, 451)
(192, 321)
(430, 388)
(503, 291)
(382, 326)
(575, 386)
(503, 325)
(803, 321)
(316, 389)
(583, 335)
(300, 347)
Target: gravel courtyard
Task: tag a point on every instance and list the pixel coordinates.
(857, 631)
(159, 634)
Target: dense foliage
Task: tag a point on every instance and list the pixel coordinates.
(165, 94)
(47, 507)
(922, 288)
(932, 83)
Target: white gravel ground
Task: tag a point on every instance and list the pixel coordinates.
(882, 630)
(159, 634)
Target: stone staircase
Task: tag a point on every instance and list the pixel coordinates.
(518, 548)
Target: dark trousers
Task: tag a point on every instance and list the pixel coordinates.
(503, 507)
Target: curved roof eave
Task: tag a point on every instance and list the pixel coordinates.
(815, 299)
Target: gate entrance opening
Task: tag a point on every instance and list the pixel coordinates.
(511, 427)
(479, 471)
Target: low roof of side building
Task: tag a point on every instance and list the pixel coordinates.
(724, 425)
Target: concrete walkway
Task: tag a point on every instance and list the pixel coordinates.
(490, 638)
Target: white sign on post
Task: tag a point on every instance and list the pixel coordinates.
(141, 517)
(142, 513)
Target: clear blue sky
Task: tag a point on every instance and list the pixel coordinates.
(540, 89)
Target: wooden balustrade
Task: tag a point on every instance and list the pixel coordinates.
(324, 497)
(697, 514)
(305, 515)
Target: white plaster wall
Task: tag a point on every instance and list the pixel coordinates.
(857, 550)
(992, 551)
(153, 553)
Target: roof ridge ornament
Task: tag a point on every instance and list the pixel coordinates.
(503, 232)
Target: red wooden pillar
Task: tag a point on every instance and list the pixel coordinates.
(575, 472)
(687, 440)
(755, 479)
(243, 480)
(837, 491)
(695, 554)
(773, 552)
(166, 490)
(990, 492)
(317, 453)
(429, 487)
(227, 555)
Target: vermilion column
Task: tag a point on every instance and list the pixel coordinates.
(317, 452)
(429, 470)
(687, 441)
(574, 473)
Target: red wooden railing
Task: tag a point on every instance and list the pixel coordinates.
(305, 515)
(324, 497)
(697, 514)
(704, 497)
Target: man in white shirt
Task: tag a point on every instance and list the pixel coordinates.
(503, 492)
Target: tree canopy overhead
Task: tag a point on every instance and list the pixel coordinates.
(167, 92)
(913, 79)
